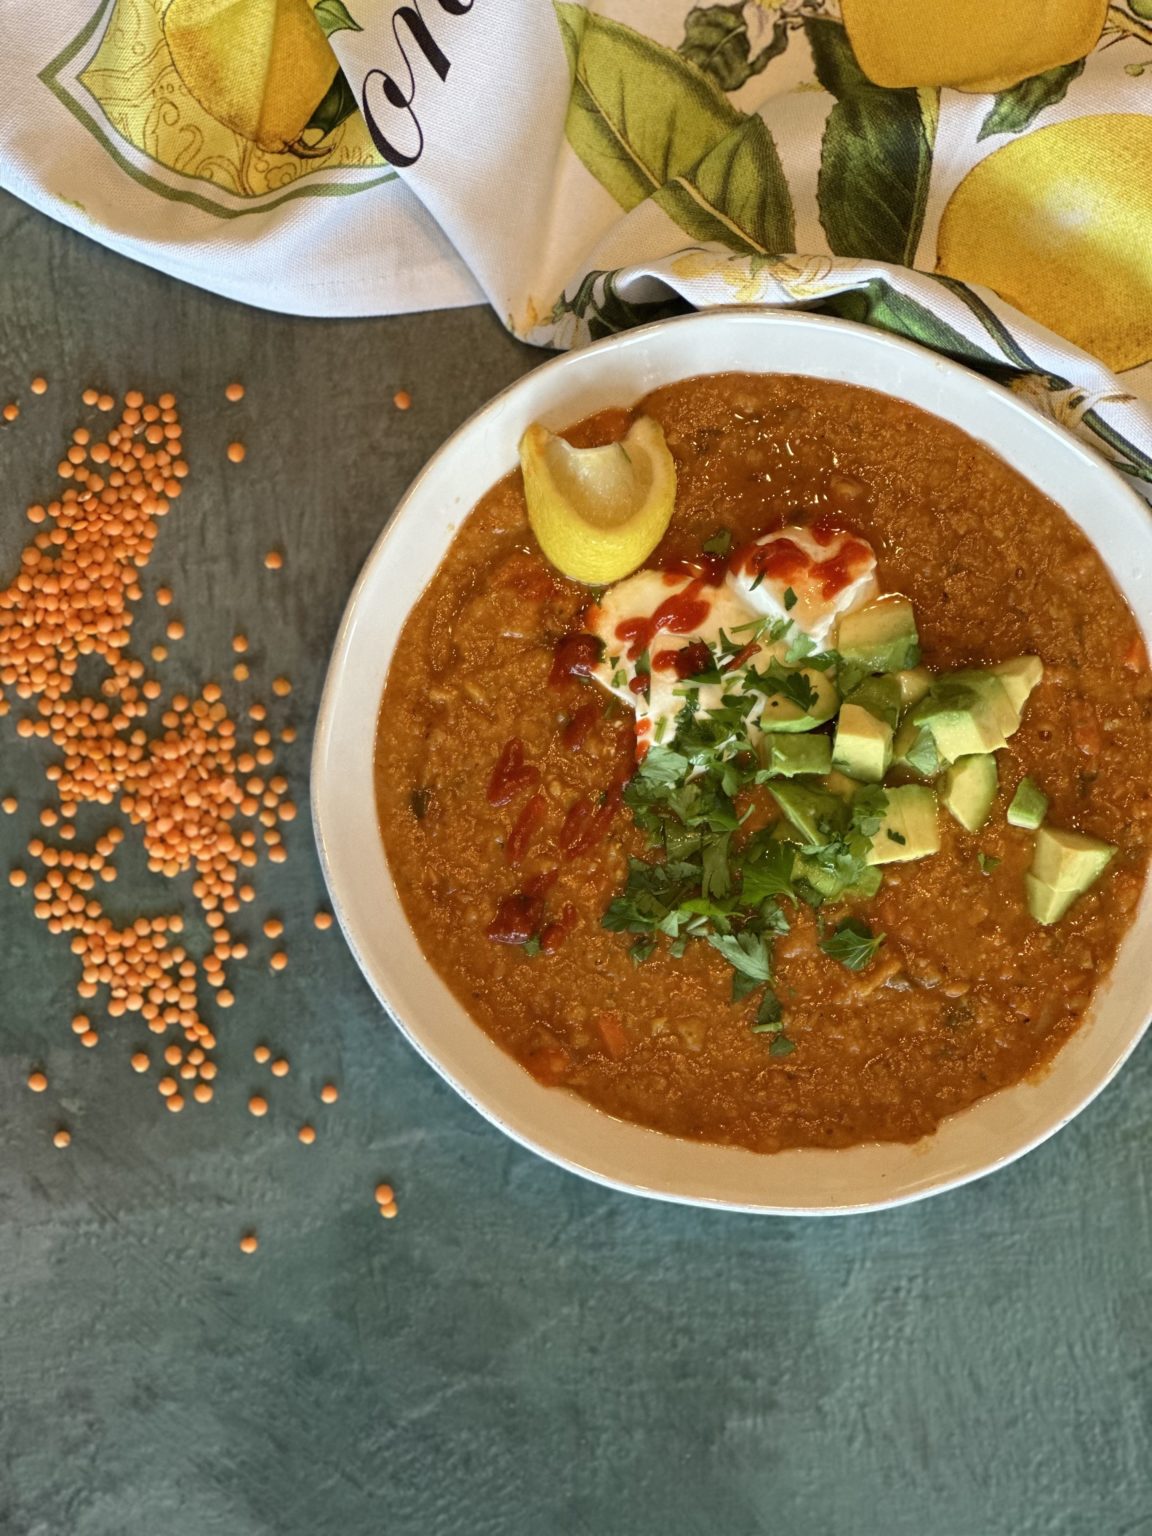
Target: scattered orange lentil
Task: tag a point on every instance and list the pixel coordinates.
(159, 653)
(329, 1093)
(261, 1055)
(236, 453)
(140, 1061)
(173, 1055)
(273, 928)
(62, 1138)
(224, 998)
(11, 411)
(279, 1067)
(402, 400)
(89, 1038)
(281, 687)
(389, 1211)
(240, 672)
(17, 877)
(249, 1243)
(240, 644)
(175, 630)
(202, 1093)
(163, 596)
(174, 1102)
(257, 1105)
(278, 961)
(323, 920)
(39, 385)
(288, 734)
(273, 559)
(105, 402)
(37, 1081)
(234, 392)
(167, 1086)
(384, 1194)
(90, 397)
(306, 1134)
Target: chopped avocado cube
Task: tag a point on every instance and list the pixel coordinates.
(863, 746)
(790, 755)
(1029, 806)
(831, 886)
(914, 751)
(995, 695)
(1019, 676)
(839, 784)
(909, 829)
(880, 637)
(880, 696)
(964, 721)
(816, 815)
(968, 789)
(781, 713)
(1069, 861)
(1046, 904)
(784, 832)
(913, 683)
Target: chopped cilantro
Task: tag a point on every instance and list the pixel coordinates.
(769, 1018)
(641, 950)
(896, 837)
(781, 1046)
(756, 583)
(644, 664)
(790, 599)
(719, 544)
(852, 943)
(987, 862)
(531, 946)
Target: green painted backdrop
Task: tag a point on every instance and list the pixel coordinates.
(520, 1353)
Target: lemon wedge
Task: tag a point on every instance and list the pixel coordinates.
(598, 513)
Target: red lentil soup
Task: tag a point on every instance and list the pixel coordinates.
(499, 768)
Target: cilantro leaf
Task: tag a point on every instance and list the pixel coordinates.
(531, 946)
(745, 952)
(719, 544)
(782, 1046)
(790, 599)
(766, 871)
(987, 862)
(852, 943)
(769, 1016)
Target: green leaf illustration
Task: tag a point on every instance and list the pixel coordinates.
(1016, 108)
(875, 160)
(333, 17)
(604, 311)
(737, 195)
(878, 303)
(339, 102)
(639, 114)
(647, 123)
(716, 41)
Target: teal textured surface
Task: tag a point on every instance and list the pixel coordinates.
(520, 1353)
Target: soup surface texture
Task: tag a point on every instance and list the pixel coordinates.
(967, 993)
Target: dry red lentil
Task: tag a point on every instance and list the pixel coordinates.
(37, 1081)
(329, 1093)
(236, 453)
(306, 1134)
(234, 392)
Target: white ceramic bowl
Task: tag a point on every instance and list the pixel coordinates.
(551, 1121)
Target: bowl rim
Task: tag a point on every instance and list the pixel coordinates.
(325, 791)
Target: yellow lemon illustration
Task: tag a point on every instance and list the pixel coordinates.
(598, 513)
(261, 67)
(970, 45)
(1057, 222)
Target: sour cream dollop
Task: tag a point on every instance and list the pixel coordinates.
(677, 623)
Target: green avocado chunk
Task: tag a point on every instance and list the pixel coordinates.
(781, 713)
(968, 789)
(840, 785)
(816, 815)
(914, 751)
(1019, 676)
(880, 696)
(790, 755)
(880, 637)
(909, 829)
(1069, 861)
(1029, 806)
(1046, 904)
(863, 745)
(913, 683)
(968, 714)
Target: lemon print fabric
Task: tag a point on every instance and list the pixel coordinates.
(969, 45)
(241, 95)
(1059, 223)
(598, 513)
(260, 67)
